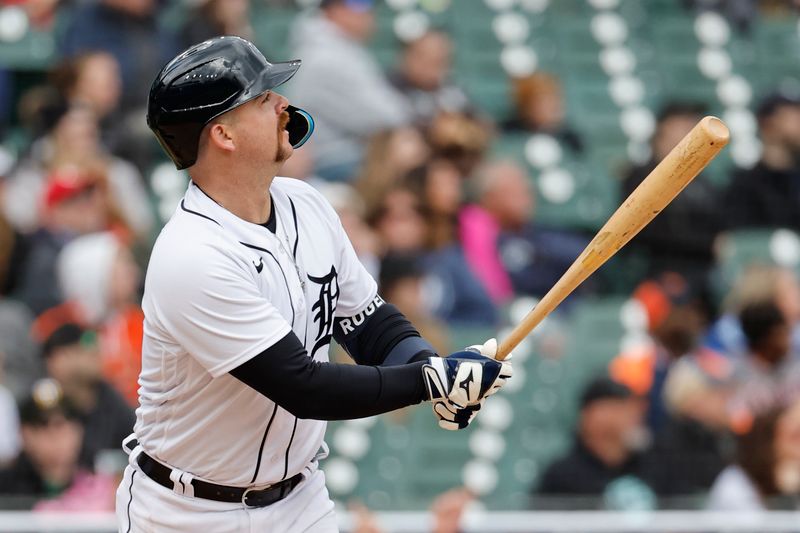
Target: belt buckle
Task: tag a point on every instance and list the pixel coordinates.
(244, 496)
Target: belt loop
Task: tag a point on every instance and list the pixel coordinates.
(132, 447)
(188, 489)
(178, 483)
(129, 443)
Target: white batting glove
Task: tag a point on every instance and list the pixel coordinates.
(467, 377)
(451, 416)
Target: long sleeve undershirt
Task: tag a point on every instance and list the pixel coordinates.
(329, 391)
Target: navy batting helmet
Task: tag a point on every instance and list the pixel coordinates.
(207, 80)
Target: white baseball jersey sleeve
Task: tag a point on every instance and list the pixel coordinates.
(219, 291)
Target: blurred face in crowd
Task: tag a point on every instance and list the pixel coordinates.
(426, 62)
(670, 131)
(443, 190)
(783, 127)
(358, 22)
(83, 213)
(406, 150)
(611, 427)
(98, 84)
(125, 277)
(406, 294)
(679, 330)
(507, 195)
(75, 366)
(53, 447)
(76, 135)
(400, 225)
(545, 111)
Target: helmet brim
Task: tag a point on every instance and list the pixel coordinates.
(277, 74)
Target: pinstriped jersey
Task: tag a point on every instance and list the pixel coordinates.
(219, 291)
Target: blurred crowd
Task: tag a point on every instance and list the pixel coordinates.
(707, 404)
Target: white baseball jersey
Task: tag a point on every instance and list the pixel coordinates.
(219, 291)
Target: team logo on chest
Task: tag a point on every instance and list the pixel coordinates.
(325, 307)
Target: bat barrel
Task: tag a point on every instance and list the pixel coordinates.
(657, 190)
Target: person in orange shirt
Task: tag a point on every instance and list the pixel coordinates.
(100, 284)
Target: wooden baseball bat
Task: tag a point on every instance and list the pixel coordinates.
(658, 189)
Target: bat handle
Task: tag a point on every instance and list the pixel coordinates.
(526, 325)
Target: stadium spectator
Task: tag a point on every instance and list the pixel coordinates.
(342, 85)
(756, 284)
(767, 195)
(128, 30)
(211, 18)
(607, 453)
(399, 222)
(689, 450)
(674, 324)
(456, 294)
(423, 77)
(92, 80)
(402, 282)
(680, 239)
(766, 471)
(539, 108)
(72, 140)
(74, 204)
(100, 283)
(51, 440)
(391, 154)
(768, 376)
(72, 358)
(461, 139)
(506, 250)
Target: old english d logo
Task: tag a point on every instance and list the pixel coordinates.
(325, 307)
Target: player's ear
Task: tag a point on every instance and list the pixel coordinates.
(219, 135)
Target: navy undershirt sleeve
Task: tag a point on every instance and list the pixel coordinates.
(285, 374)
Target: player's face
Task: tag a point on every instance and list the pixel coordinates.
(261, 125)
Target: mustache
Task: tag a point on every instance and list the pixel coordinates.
(283, 120)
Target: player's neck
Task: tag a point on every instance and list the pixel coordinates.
(247, 198)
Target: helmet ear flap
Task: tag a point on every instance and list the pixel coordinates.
(300, 126)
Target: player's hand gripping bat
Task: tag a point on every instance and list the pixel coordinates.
(681, 165)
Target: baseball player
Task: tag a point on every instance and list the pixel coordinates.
(247, 284)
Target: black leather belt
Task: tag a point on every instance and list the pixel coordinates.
(221, 493)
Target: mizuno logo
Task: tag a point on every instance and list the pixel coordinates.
(466, 382)
(260, 265)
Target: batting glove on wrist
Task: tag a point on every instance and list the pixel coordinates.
(465, 378)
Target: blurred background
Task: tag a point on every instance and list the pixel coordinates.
(472, 149)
